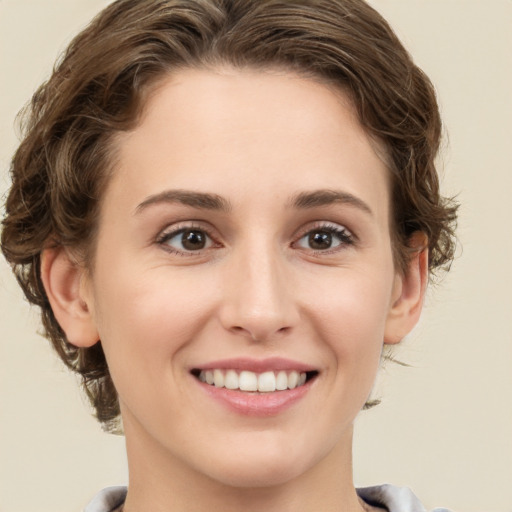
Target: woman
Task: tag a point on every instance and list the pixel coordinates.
(224, 210)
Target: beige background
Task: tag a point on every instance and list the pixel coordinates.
(445, 425)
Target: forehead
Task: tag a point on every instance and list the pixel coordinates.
(263, 129)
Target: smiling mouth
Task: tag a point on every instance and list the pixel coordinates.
(247, 381)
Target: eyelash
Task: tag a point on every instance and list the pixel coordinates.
(166, 236)
(344, 236)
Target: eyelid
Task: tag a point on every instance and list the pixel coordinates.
(173, 230)
(323, 224)
(333, 227)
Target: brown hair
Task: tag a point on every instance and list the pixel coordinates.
(98, 88)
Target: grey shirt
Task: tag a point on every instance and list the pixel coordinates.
(389, 497)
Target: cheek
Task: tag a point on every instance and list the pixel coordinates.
(356, 308)
(144, 321)
(352, 319)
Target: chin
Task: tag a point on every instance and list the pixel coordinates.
(269, 473)
(263, 465)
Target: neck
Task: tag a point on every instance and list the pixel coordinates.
(160, 482)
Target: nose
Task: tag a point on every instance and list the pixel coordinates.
(259, 300)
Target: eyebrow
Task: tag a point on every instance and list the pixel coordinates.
(207, 201)
(326, 197)
(201, 200)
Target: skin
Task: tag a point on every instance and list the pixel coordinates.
(257, 289)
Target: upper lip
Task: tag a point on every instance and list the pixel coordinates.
(256, 365)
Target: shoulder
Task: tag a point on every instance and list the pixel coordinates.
(393, 499)
(390, 497)
(107, 500)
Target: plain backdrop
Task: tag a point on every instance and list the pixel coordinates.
(444, 427)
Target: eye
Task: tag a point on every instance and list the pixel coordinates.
(325, 238)
(186, 240)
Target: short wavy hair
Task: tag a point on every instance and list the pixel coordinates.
(98, 88)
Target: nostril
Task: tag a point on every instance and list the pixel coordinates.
(260, 333)
(253, 334)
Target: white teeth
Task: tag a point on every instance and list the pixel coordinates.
(231, 380)
(218, 379)
(293, 380)
(281, 381)
(266, 382)
(248, 381)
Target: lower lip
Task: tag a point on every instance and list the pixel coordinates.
(256, 404)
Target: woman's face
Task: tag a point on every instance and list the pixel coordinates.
(244, 238)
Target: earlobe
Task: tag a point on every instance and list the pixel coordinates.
(62, 280)
(409, 292)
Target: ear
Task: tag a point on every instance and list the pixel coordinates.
(64, 285)
(408, 293)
